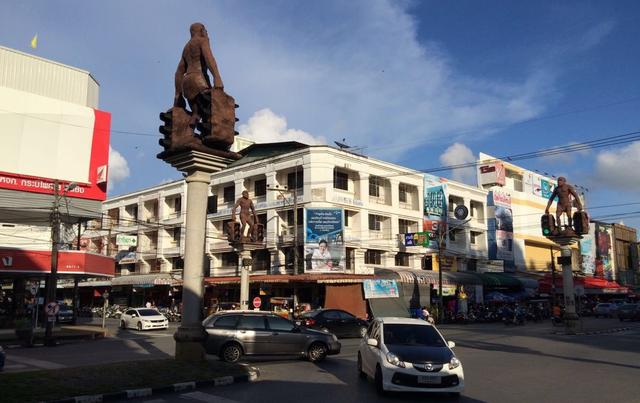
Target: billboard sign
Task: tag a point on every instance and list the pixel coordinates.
(324, 247)
(588, 251)
(417, 239)
(380, 288)
(46, 139)
(492, 174)
(500, 227)
(435, 206)
(604, 254)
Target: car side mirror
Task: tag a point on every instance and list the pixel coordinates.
(451, 344)
(372, 342)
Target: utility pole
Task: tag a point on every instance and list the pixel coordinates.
(52, 283)
(553, 279)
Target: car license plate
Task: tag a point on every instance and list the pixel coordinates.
(430, 380)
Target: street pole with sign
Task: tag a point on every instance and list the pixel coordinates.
(105, 304)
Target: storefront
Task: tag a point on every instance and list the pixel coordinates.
(159, 289)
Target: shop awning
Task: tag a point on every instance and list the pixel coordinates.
(145, 280)
(290, 278)
(590, 285)
(500, 280)
(463, 278)
(413, 276)
(70, 262)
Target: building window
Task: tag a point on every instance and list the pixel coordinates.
(260, 188)
(403, 192)
(405, 226)
(176, 235)
(230, 259)
(402, 259)
(177, 205)
(372, 256)
(374, 186)
(229, 193)
(295, 180)
(340, 180)
(212, 204)
(475, 237)
(452, 236)
(375, 222)
(290, 217)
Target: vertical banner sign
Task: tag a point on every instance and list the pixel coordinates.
(324, 249)
(604, 258)
(588, 252)
(435, 206)
(500, 227)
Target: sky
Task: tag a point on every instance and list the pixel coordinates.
(422, 84)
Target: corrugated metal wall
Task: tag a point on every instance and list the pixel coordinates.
(35, 208)
(40, 76)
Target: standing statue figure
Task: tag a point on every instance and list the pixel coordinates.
(192, 80)
(208, 125)
(564, 191)
(248, 217)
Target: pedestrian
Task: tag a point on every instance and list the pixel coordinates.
(148, 304)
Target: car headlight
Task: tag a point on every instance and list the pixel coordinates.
(394, 360)
(146, 320)
(454, 363)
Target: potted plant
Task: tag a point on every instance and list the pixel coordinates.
(24, 331)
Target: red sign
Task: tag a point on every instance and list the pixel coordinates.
(69, 262)
(257, 302)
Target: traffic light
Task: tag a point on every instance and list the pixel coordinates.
(166, 129)
(548, 224)
(259, 232)
(580, 222)
(233, 232)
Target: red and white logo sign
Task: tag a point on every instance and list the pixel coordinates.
(257, 302)
(7, 261)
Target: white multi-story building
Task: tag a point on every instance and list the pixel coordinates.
(380, 201)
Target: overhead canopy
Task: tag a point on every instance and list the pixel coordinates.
(145, 280)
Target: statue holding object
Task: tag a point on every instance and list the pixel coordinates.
(249, 229)
(566, 194)
(212, 110)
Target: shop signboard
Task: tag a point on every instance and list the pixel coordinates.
(324, 247)
(417, 239)
(380, 288)
(126, 240)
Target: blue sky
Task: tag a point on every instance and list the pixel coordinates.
(419, 83)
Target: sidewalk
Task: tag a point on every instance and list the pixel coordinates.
(62, 333)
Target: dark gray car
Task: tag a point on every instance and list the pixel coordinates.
(232, 334)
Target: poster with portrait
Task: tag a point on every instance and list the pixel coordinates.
(324, 248)
(604, 254)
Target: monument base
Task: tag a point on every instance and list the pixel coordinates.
(192, 161)
(190, 343)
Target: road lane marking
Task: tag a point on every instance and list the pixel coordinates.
(36, 363)
(206, 397)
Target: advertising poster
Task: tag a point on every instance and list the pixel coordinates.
(435, 206)
(500, 227)
(604, 255)
(324, 248)
(380, 289)
(588, 252)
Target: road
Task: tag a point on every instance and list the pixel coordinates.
(502, 364)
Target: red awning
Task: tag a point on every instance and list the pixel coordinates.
(14, 261)
(591, 285)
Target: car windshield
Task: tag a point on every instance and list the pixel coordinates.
(412, 335)
(309, 314)
(148, 312)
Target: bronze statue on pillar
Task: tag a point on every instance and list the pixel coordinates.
(564, 192)
(212, 111)
(249, 230)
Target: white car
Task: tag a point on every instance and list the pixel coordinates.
(409, 355)
(143, 319)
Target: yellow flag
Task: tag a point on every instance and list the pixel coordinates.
(34, 41)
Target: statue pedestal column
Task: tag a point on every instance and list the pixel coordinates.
(199, 166)
(573, 323)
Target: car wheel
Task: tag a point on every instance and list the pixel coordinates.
(231, 353)
(361, 373)
(363, 331)
(378, 381)
(139, 326)
(317, 352)
(123, 325)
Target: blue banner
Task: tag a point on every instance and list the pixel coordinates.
(380, 289)
(324, 240)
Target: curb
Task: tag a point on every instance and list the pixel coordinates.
(252, 376)
(604, 331)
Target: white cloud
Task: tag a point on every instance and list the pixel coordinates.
(267, 127)
(618, 169)
(456, 154)
(118, 168)
(562, 156)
